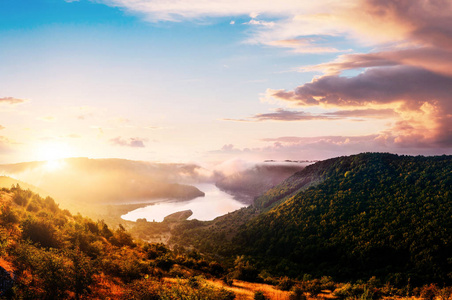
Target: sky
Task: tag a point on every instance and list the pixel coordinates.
(195, 80)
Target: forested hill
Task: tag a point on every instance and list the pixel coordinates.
(353, 217)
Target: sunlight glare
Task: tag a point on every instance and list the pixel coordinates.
(53, 165)
(53, 153)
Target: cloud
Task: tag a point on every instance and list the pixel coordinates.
(433, 59)
(364, 113)
(287, 115)
(163, 10)
(303, 45)
(426, 22)
(47, 119)
(323, 147)
(421, 98)
(281, 114)
(260, 23)
(11, 100)
(408, 73)
(131, 142)
(2, 127)
(5, 145)
(374, 86)
(84, 112)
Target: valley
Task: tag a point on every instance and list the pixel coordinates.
(371, 225)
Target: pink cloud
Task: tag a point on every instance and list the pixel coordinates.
(11, 100)
(131, 142)
(429, 58)
(421, 98)
(322, 147)
(281, 114)
(4, 145)
(304, 45)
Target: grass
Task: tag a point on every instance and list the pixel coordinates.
(245, 290)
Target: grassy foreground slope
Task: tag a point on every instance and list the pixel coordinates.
(371, 214)
(48, 253)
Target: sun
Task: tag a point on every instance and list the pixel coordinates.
(53, 153)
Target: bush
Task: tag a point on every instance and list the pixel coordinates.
(297, 294)
(41, 231)
(327, 283)
(428, 292)
(244, 270)
(8, 216)
(313, 287)
(142, 290)
(259, 295)
(285, 283)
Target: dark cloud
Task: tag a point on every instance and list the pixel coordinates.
(11, 100)
(375, 86)
(131, 142)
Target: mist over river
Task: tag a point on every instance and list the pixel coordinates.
(215, 203)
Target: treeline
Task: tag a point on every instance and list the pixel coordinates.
(48, 253)
(351, 218)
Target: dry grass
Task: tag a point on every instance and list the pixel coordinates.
(245, 290)
(6, 265)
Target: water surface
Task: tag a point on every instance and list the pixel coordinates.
(214, 204)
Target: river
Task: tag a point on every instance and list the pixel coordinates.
(215, 203)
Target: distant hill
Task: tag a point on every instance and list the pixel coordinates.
(372, 214)
(247, 184)
(106, 181)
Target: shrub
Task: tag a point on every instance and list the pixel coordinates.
(41, 231)
(327, 283)
(244, 270)
(142, 290)
(8, 216)
(297, 294)
(259, 295)
(313, 287)
(428, 292)
(285, 283)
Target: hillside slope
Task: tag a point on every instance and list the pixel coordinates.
(48, 253)
(350, 217)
